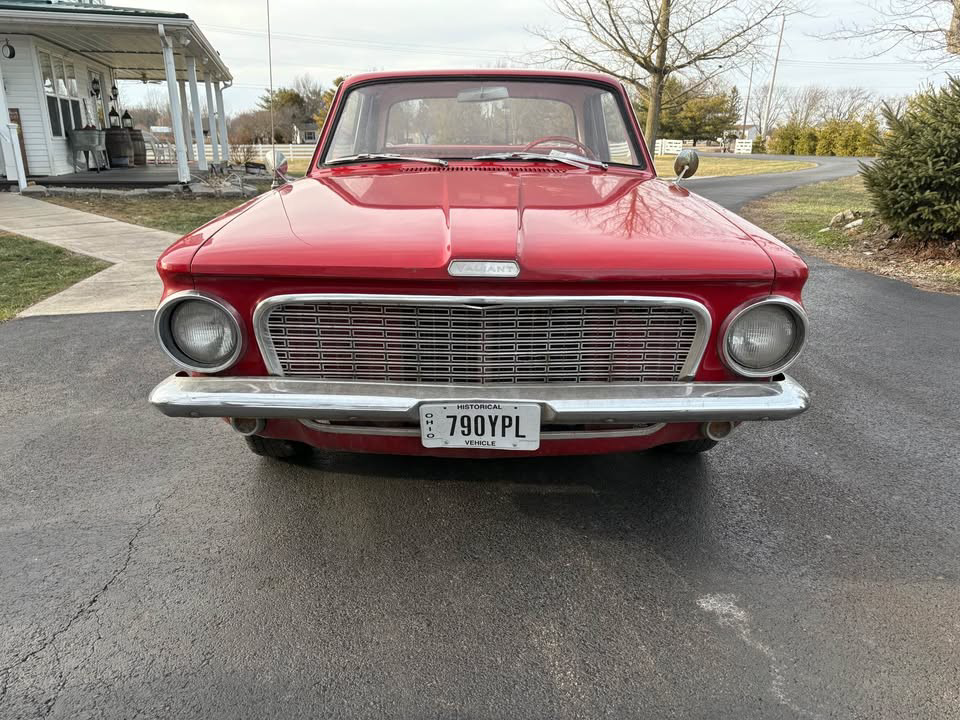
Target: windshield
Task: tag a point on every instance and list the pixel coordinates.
(466, 118)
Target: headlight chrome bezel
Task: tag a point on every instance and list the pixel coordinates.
(801, 323)
(164, 332)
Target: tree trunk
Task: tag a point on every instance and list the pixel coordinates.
(659, 75)
(953, 34)
(652, 129)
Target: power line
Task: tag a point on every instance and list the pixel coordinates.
(372, 44)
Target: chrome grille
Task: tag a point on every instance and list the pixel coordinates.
(506, 341)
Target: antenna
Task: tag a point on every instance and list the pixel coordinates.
(273, 135)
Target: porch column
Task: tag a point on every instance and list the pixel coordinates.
(176, 119)
(212, 119)
(185, 109)
(10, 143)
(197, 115)
(224, 142)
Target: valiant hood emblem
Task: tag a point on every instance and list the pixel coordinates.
(483, 268)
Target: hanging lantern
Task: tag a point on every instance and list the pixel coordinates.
(114, 118)
(114, 93)
(127, 120)
(95, 87)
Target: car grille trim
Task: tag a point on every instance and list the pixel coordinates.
(482, 340)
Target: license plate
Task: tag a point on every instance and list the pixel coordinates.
(481, 426)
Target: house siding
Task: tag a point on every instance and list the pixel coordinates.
(61, 163)
(20, 81)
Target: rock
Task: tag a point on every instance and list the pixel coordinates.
(842, 218)
(109, 192)
(62, 191)
(34, 190)
(202, 190)
(160, 191)
(823, 230)
(89, 192)
(853, 225)
(231, 193)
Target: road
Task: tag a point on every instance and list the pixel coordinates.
(154, 568)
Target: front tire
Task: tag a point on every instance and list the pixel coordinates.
(276, 448)
(690, 447)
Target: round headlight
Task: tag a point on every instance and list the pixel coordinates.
(764, 338)
(198, 332)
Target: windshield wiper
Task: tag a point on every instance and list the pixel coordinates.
(568, 158)
(362, 157)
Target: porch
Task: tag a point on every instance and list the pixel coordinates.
(63, 77)
(142, 176)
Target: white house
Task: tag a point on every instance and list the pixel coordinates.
(60, 62)
(305, 133)
(746, 132)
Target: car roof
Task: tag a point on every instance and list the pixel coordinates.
(482, 72)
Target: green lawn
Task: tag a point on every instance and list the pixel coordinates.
(175, 214)
(804, 211)
(726, 166)
(31, 270)
(797, 216)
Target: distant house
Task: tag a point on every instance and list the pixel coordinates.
(746, 132)
(59, 70)
(305, 134)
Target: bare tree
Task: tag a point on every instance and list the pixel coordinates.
(849, 103)
(778, 107)
(925, 29)
(643, 42)
(806, 105)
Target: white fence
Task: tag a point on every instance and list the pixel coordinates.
(667, 147)
(743, 147)
(258, 152)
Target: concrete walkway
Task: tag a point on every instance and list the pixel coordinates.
(131, 283)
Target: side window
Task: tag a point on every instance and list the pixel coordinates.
(620, 147)
(345, 140)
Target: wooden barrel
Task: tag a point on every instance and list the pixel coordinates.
(119, 147)
(139, 147)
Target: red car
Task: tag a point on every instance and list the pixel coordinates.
(481, 264)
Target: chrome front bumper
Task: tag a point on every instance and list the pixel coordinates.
(278, 397)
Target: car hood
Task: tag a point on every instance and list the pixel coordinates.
(411, 221)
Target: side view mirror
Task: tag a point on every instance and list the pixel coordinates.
(276, 163)
(686, 164)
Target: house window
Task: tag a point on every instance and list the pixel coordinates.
(62, 92)
(310, 136)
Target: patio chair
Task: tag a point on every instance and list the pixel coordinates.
(158, 148)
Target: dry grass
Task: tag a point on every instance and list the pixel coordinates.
(176, 214)
(711, 166)
(31, 270)
(797, 217)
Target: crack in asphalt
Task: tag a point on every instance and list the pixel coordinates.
(83, 610)
(729, 614)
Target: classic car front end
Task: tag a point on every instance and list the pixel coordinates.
(481, 264)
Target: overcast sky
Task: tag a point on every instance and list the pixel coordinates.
(328, 39)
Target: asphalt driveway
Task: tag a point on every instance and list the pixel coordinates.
(155, 568)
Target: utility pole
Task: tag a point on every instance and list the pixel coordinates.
(746, 106)
(773, 81)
